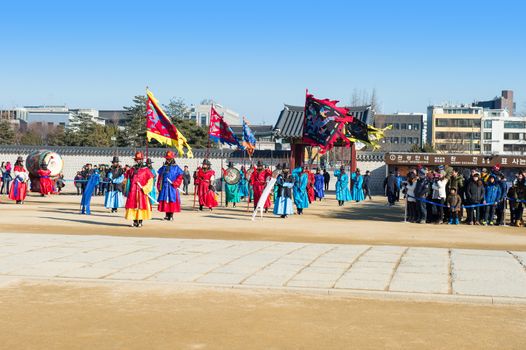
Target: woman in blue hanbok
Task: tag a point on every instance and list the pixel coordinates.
(114, 198)
(343, 193)
(357, 193)
(319, 185)
(283, 200)
(301, 180)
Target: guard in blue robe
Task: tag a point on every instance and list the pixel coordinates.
(343, 194)
(301, 180)
(114, 198)
(243, 184)
(170, 178)
(319, 185)
(357, 193)
(283, 200)
(85, 201)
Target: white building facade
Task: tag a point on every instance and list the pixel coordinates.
(502, 133)
(201, 114)
(58, 115)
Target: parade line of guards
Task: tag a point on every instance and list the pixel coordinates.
(300, 185)
(139, 187)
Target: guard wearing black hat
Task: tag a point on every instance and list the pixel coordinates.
(114, 198)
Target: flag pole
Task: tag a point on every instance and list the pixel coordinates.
(209, 127)
(146, 134)
(222, 175)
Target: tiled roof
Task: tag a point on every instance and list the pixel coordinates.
(152, 152)
(290, 121)
(258, 130)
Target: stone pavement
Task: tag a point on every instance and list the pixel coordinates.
(259, 264)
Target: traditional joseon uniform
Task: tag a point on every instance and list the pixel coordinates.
(85, 202)
(140, 180)
(170, 177)
(342, 187)
(310, 186)
(18, 190)
(319, 186)
(243, 184)
(114, 198)
(301, 198)
(205, 187)
(46, 184)
(231, 190)
(258, 180)
(283, 200)
(357, 193)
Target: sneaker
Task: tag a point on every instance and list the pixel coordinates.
(491, 223)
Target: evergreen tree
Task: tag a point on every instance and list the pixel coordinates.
(57, 137)
(136, 128)
(7, 134)
(31, 138)
(177, 108)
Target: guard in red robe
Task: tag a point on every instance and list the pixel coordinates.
(258, 180)
(140, 184)
(46, 184)
(310, 184)
(18, 189)
(204, 181)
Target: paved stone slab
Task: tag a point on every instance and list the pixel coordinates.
(336, 267)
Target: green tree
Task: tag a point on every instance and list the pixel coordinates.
(84, 132)
(56, 137)
(7, 134)
(197, 136)
(176, 108)
(136, 128)
(31, 137)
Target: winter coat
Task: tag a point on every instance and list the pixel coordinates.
(439, 189)
(454, 202)
(456, 182)
(391, 184)
(492, 193)
(474, 192)
(411, 186)
(422, 188)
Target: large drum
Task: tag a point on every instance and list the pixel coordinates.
(53, 160)
(54, 163)
(232, 176)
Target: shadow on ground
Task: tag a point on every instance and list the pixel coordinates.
(370, 211)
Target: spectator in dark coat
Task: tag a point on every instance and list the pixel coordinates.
(421, 192)
(474, 195)
(366, 184)
(391, 188)
(326, 179)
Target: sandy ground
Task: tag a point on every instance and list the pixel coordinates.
(368, 222)
(81, 315)
(41, 315)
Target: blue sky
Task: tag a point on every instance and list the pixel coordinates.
(253, 56)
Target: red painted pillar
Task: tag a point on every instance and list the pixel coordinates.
(353, 158)
(352, 161)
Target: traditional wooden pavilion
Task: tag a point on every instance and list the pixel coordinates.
(290, 128)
